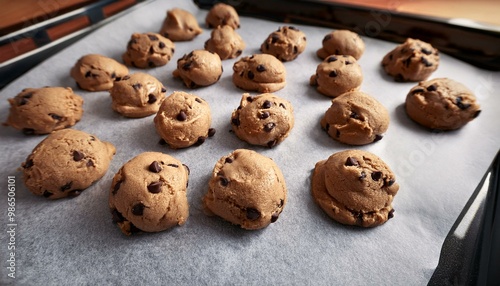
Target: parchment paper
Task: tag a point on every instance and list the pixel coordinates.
(74, 242)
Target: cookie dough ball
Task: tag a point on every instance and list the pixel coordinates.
(441, 104)
(356, 118)
(149, 194)
(148, 50)
(180, 25)
(246, 189)
(137, 95)
(337, 75)
(43, 110)
(222, 15)
(65, 163)
(184, 120)
(261, 72)
(355, 187)
(225, 42)
(342, 42)
(285, 44)
(96, 72)
(414, 60)
(199, 68)
(264, 119)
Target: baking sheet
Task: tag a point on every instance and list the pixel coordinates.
(73, 241)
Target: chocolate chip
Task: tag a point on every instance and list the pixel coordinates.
(181, 116)
(272, 143)
(117, 187)
(28, 164)
(186, 66)
(351, 162)
(126, 77)
(187, 168)
(198, 100)
(390, 214)
(88, 74)
(117, 216)
(23, 101)
(431, 88)
(235, 121)
(137, 86)
(378, 137)
(173, 165)
(261, 68)
(282, 106)
(354, 115)
(264, 115)
(418, 90)
(295, 50)
(274, 217)
(460, 104)
(281, 203)
(238, 53)
(252, 214)
(390, 182)
(407, 61)
(269, 126)
(155, 167)
(267, 104)
(348, 62)
(327, 127)
(113, 75)
(138, 209)
(163, 89)
(155, 187)
(362, 175)
(77, 155)
(228, 160)
(426, 62)
(250, 75)
(292, 28)
(274, 38)
(224, 181)
(151, 98)
(161, 45)
(66, 187)
(200, 141)
(333, 74)
(211, 132)
(331, 59)
(327, 37)
(90, 163)
(55, 116)
(377, 175)
(476, 114)
(47, 194)
(249, 99)
(74, 193)
(425, 51)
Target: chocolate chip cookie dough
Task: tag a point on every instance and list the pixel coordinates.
(261, 72)
(180, 25)
(441, 104)
(43, 110)
(222, 15)
(184, 120)
(337, 75)
(199, 68)
(414, 60)
(148, 50)
(148, 194)
(355, 187)
(65, 163)
(246, 189)
(225, 42)
(356, 118)
(96, 72)
(342, 42)
(264, 119)
(286, 44)
(137, 95)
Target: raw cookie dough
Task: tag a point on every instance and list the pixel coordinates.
(265, 119)
(43, 110)
(414, 60)
(285, 44)
(184, 120)
(261, 72)
(342, 42)
(65, 163)
(180, 25)
(137, 95)
(148, 193)
(246, 189)
(148, 50)
(199, 68)
(355, 187)
(96, 72)
(225, 42)
(337, 75)
(356, 118)
(222, 15)
(441, 104)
